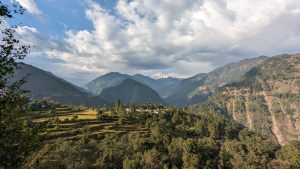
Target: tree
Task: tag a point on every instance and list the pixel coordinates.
(190, 160)
(290, 153)
(17, 139)
(117, 104)
(52, 111)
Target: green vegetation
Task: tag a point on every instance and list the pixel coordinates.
(150, 136)
(18, 137)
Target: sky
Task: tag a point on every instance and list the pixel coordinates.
(80, 40)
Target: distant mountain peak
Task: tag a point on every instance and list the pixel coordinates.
(164, 75)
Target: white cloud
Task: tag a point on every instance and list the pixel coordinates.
(30, 6)
(179, 36)
(296, 11)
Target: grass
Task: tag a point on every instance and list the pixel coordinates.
(86, 125)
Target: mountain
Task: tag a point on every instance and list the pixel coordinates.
(198, 88)
(108, 80)
(180, 96)
(167, 86)
(162, 86)
(266, 99)
(42, 84)
(131, 92)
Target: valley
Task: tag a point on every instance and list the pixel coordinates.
(235, 121)
(264, 99)
(123, 84)
(261, 94)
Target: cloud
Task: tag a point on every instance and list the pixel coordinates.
(30, 6)
(184, 37)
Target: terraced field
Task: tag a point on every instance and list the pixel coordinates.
(67, 124)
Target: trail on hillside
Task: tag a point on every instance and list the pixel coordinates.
(233, 110)
(275, 129)
(248, 113)
(233, 107)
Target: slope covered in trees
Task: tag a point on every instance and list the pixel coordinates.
(171, 139)
(265, 100)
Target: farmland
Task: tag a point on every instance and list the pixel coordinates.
(63, 122)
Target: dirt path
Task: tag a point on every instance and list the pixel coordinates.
(233, 110)
(248, 113)
(275, 129)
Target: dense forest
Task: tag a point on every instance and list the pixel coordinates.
(175, 139)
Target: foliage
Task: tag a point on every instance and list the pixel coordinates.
(175, 140)
(17, 136)
(290, 153)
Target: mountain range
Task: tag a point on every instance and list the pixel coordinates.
(173, 91)
(113, 79)
(260, 93)
(198, 88)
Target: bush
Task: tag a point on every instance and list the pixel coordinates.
(74, 118)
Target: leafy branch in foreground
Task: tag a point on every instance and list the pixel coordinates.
(17, 137)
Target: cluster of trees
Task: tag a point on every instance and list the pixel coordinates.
(41, 104)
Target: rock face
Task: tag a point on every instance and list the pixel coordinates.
(131, 92)
(198, 88)
(42, 84)
(266, 99)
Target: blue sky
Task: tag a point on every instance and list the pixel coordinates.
(80, 40)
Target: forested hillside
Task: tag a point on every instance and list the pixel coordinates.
(265, 100)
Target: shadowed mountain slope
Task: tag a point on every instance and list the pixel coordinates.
(42, 84)
(131, 92)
